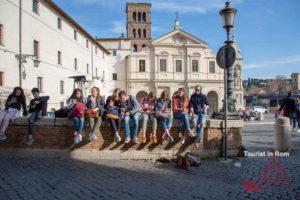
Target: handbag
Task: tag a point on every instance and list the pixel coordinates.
(111, 116)
(112, 113)
(90, 113)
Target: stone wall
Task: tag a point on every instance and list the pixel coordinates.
(56, 140)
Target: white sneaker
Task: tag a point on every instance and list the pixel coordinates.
(180, 134)
(182, 140)
(92, 137)
(117, 138)
(135, 140)
(298, 131)
(127, 140)
(79, 138)
(75, 139)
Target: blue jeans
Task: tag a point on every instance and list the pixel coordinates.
(78, 124)
(184, 119)
(166, 123)
(199, 120)
(135, 118)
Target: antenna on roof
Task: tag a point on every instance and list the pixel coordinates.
(177, 26)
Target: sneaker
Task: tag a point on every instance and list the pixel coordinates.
(92, 137)
(190, 132)
(79, 137)
(127, 140)
(135, 140)
(154, 139)
(180, 134)
(182, 140)
(29, 141)
(2, 136)
(197, 144)
(171, 139)
(144, 140)
(117, 138)
(76, 139)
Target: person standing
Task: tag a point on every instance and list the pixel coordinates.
(15, 101)
(95, 108)
(288, 107)
(198, 106)
(130, 107)
(298, 112)
(147, 109)
(37, 109)
(76, 105)
(180, 105)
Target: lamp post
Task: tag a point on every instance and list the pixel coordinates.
(225, 58)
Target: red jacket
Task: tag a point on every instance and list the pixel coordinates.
(178, 108)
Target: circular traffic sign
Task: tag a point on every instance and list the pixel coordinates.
(226, 56)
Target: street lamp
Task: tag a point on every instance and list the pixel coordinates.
(225, 59)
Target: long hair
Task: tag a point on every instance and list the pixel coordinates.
(20, 99)
(98, 97)
(151, 96)
(73, 96)
(163, 95)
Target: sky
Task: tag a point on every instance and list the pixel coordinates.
(267, 31)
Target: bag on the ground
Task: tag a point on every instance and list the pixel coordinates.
(77, 110)
(194, 161)
(62, 113)
(112, 113)
(182, 162)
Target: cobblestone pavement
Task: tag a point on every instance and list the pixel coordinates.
(267, 178)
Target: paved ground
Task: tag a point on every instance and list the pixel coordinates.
(262, 177)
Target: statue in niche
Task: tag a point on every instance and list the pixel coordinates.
(237, 77)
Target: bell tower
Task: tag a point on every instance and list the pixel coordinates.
(138, 25)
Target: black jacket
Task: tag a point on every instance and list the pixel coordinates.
(42, 105)
(289, 107)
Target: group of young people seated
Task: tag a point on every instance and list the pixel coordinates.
(117, 107)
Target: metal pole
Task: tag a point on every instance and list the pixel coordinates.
(225, 114)
(20, 43)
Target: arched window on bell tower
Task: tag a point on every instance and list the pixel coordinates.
(134, 48)
(144, 33)
(139, 16)
(134, 16)
(144, 16)
(139, 33)
(134, 33)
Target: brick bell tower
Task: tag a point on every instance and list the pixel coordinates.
(138, 25)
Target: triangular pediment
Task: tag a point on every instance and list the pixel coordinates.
(179, 36)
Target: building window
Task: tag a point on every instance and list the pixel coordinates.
(142, 65)
(114, 53)
(40, 83)
(144, 16)
(114, 76)
(143, 46)
(87, 68)
(134, 48)
(134, 33)
(75, 64)
(59, 57)
(96, 50)
(145, 34)
(163, 65)
(62, 87)
(1, 78)
(36, 48)
(212, 68)
(59, 23)
(87, 43)
(134, 16)
(139, 33)
(35, 6)
(178, 65)
(62, 104)
(97, 72)
(1, 34)
(75, 35)
(139, 17)
(195, 66)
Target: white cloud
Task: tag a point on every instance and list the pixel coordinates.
(272, 63)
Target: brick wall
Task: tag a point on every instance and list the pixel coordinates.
(58, 137)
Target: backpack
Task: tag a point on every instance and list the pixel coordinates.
(182, 162)
(62, 113)
(77, 110)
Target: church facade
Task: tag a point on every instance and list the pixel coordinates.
(180, 60)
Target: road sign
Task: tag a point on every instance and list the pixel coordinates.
(226, 56)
